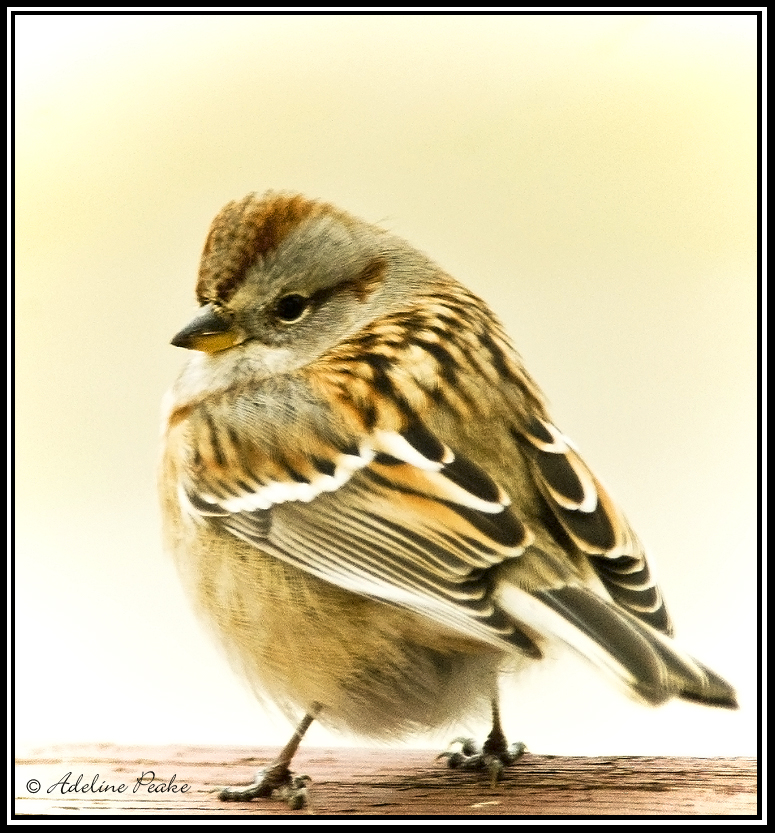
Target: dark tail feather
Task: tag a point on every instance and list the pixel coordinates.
(649, 662)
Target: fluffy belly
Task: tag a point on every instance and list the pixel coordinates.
(379, 670)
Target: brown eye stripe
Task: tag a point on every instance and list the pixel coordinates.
(368, 280)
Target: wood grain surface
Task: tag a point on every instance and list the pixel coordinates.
(106, 780)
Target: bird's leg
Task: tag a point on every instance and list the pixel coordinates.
(494, 755)
(496, 751)
(276, 777)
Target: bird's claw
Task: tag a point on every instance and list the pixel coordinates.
(273, 782)
(295, 792)
(471, 757)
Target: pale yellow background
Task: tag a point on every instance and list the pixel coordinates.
(593, 177)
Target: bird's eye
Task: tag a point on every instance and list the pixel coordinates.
(290, 308)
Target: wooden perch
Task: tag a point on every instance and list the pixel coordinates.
(161, 781)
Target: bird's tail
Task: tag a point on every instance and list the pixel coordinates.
(649, 663)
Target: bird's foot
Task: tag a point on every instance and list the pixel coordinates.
(276, 781)
(464, 753)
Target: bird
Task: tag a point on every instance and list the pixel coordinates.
(369, 503)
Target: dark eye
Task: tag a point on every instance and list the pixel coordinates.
(290, 308)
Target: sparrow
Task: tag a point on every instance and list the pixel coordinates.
(367, 498)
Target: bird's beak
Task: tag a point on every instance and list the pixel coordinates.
(209, 332)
